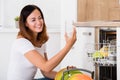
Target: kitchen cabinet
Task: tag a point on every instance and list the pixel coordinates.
(108, 65)
(91, 10)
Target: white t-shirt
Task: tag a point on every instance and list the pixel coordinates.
(20, 68)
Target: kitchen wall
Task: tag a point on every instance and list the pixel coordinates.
(10, 9)
(1, 15)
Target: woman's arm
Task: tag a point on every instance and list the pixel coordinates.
(47, 66)
(51, 74)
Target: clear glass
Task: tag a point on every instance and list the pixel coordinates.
(69, 27)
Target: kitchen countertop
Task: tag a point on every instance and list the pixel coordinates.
(97, 24)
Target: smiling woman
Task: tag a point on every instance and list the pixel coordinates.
(28, 52)
(35, 23)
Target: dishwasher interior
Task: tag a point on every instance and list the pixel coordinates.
(103, 55)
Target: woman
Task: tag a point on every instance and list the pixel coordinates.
(28, 51)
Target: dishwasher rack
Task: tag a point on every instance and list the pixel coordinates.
(81, 70)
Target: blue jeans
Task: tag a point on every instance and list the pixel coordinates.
(43, 79)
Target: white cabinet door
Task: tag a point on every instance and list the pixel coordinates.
(77, 55)
(118, 53)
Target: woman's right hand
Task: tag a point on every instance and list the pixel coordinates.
(70, 40)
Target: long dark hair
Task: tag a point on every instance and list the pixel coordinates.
(26, 32)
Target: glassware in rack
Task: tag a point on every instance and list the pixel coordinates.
(100, 52)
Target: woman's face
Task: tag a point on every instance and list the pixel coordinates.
(35, 22)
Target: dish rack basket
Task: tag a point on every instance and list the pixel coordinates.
(81, 70)
(102, 53)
